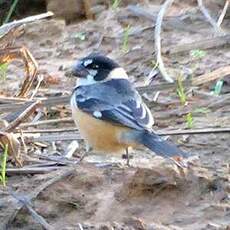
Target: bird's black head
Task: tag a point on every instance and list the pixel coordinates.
(95, 66)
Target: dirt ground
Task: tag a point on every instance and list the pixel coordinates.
(102, 192)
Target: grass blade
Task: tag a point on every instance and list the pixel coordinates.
(3, 165)
(12, 8)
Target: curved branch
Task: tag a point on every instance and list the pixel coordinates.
(159, 20)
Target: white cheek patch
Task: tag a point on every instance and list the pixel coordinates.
(89, 80)
(87, 62)
(97, 114)
(92, 72)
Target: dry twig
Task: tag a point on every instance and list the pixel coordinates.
(223, 13)
(206, 43)
(31, 170)
(208, 17)
(40, 79)
(47, 122)
(159, 20)
(59, 175)
(26, 203)
(214, 75)
(10, 25)
(25, 114)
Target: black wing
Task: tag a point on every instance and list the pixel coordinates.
(115, 101)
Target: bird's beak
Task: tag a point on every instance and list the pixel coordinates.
(78, 70)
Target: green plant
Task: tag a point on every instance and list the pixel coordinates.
(3, 164)
(218, 87)
(180, 90)
(3, 70)
(189, 120)
(197, 54)
(183, 100)
(12, 8)
(125, 43)
(80, 36)
(115, 4)
(154, 65)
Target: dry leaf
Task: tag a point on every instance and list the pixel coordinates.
(14, 146)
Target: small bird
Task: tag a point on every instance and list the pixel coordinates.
(110, 113)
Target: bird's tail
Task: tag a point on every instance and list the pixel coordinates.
(160, 146)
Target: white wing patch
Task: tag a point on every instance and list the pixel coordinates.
(149, 114)
(87, 62)
(97, 114)
(143, 115)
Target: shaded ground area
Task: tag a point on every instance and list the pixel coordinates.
(153, 193)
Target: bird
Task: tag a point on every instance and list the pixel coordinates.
(110, 113)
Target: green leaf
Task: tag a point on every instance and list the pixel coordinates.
(80, 35)
(154, 64)
(115, 4)
(189, 120)
(12, 9)
(197, 53)
(180, 90)
(3, 164)
(218, 87)
(3, 70)
(125, 43)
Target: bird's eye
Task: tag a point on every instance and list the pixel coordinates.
(94, 66)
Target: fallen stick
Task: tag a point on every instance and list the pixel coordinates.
(208, 43)
(25, 114)
(220, 102)
(55, 130)
(195, 131)
(26, 203)
(141, 12)
(10, 25)
(214, 75)
(12, 99)
(44, 102)
(172, 22)
(53, 137)
(31, 170)
(46, 122)
(59, 175)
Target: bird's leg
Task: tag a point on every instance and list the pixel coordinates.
(127, 157)
(88, 148)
